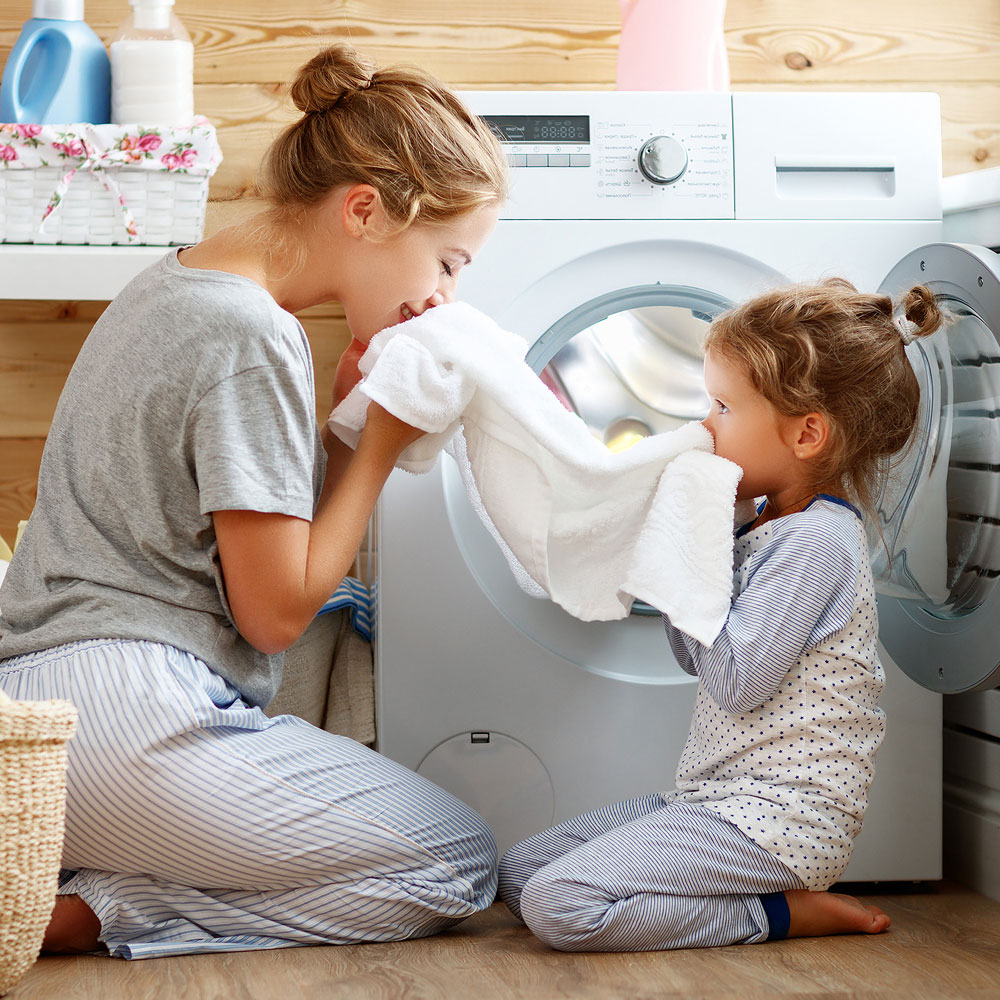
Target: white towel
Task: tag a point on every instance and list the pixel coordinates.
(591, 529)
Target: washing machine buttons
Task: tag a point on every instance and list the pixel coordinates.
(548, 159)
(662, 159)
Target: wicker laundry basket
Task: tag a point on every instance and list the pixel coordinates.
(166, 209)
(105, 184)
(33, 738)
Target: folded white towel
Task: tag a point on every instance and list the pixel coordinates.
(592, 529)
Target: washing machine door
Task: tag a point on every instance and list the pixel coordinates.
(617, 334)
(936, 543)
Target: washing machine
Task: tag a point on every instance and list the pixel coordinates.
(634, 219)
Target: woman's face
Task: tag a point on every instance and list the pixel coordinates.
(398, 278)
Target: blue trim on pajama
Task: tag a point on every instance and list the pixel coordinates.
(779, 917)
(195, 823)
(643, 875)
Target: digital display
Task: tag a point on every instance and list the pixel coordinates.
(539, 128)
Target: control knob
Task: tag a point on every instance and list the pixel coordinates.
(662, 160)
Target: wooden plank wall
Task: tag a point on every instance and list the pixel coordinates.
(246, 52)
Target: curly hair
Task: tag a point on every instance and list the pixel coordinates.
(827, 348)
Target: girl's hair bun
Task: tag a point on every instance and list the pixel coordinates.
(921, 308)
(332, 74)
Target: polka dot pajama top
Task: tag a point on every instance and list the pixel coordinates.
(786, 724)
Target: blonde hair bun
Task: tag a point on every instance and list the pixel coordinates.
(399, 129)
(330, 75)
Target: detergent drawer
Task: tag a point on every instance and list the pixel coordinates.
(837, 156)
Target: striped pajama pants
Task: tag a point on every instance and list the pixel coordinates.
(194, 823)
(645, 875)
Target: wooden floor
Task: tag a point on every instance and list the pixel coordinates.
(944, 945)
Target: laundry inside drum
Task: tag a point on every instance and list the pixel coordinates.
(634, 373)
(624, 433)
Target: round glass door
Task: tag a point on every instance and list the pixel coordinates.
(936, 545)
(629, 364)
(622, 348)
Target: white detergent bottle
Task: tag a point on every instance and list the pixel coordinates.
(152, 68)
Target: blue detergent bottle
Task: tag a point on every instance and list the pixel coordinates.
(58, 71)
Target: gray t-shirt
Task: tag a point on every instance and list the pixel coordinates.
(193, 393)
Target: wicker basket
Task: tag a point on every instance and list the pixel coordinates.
(33, 738)
(167, 208)
(105, 184)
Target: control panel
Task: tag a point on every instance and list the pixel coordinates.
(602, 155)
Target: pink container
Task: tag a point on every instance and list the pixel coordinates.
(673, 45)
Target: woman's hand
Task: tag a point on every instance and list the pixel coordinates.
(389, 431)
(347, 375)
(345, 379)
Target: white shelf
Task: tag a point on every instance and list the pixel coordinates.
(972, 207)
(70, 272)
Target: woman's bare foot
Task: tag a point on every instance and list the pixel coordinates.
(73, 928)
(816, 914)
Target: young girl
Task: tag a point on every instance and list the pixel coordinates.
(190, 522)
(811, 391)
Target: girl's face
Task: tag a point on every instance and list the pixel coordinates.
(401, 277)
(749, 431)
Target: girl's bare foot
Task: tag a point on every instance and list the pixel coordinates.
(816, 914)
(73, 928)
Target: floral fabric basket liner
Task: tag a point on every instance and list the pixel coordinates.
(190, 152)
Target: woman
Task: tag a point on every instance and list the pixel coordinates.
(191, 521)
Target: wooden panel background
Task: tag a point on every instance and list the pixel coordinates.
(246, 52)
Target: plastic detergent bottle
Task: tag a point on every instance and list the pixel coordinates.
(673, 45)
(152, 67)
(58, 70)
